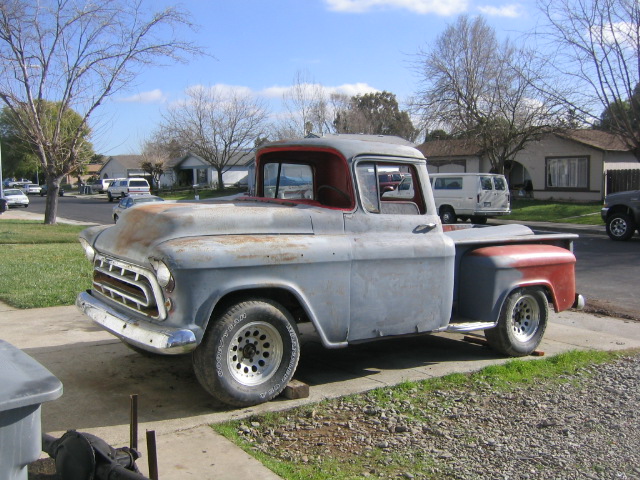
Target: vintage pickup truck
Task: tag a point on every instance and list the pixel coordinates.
(232, 281)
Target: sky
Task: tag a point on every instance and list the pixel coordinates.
(259, 46)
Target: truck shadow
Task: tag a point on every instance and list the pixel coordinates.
(98, 377)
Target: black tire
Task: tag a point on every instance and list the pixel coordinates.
(478, 220)
(249, 353)
(620, 226)
(109, 197)
(448, 215)
(523, 320)
(115, 219)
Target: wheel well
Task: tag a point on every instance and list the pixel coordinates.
(446, 207)
(284, 297)
(619, 209)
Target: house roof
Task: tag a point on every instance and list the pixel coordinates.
(597, 139)
(468, 147)
(126, 161)
(451, 148)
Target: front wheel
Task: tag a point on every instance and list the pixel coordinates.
(620, 226)
(522, 322)
(249, 353)
(109, 197)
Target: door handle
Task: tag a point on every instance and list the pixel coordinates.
(424, 228)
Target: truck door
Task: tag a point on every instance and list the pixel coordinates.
(402, 263)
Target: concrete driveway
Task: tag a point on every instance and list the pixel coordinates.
(99, 373)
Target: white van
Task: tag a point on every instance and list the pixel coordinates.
(475, 196)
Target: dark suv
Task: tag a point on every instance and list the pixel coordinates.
(621, 214)
(389, 181)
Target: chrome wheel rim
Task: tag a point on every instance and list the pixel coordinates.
(525, 318)
(255, 353)
(618, 227)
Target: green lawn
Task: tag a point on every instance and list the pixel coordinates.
(41, 265)
(552, 211)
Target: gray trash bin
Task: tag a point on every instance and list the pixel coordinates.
(25, 384)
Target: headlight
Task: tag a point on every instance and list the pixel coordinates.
(163, 274)
(89, 252)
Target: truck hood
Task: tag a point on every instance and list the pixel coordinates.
(613, 198)
(139, 229)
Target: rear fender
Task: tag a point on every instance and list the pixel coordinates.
(489, 274)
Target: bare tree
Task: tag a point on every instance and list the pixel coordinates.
(155, 158)
(474, 86)
(308, 109)
(597, 54)
(76, 54)
(216, 125)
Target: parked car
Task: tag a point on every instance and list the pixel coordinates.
(621, 214)
(389, 181)
(132, 201)
(16, 198)
(12, 182)
(475, 196)
(101, 186)
(121, 187)
(31, 188)
(44, 189)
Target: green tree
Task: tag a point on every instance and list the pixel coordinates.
(65, 128)
(622, 114)
(61, 59)
(375, 114)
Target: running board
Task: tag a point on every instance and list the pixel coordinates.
(469, 326)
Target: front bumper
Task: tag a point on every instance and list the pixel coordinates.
(147, 336)
(603, 213)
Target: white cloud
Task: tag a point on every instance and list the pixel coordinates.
(153, 96)
(223, 89)
(439, 7)
(350, 89)
(513, 10)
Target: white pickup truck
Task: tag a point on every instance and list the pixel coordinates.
(231, 282)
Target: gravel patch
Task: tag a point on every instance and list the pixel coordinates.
(584, 428)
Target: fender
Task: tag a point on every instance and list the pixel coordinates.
(489, 274)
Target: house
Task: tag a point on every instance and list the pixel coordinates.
(193, 170)
(122, 166)
(571, 165)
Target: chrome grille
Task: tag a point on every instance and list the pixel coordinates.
(132, 287)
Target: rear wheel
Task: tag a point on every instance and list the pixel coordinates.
(448, 215)
(620, 226)
(522, 322)
(249, 353)
(109, 196)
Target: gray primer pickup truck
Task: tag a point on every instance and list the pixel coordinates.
(232, 281)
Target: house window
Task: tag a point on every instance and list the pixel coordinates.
(567, 173)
